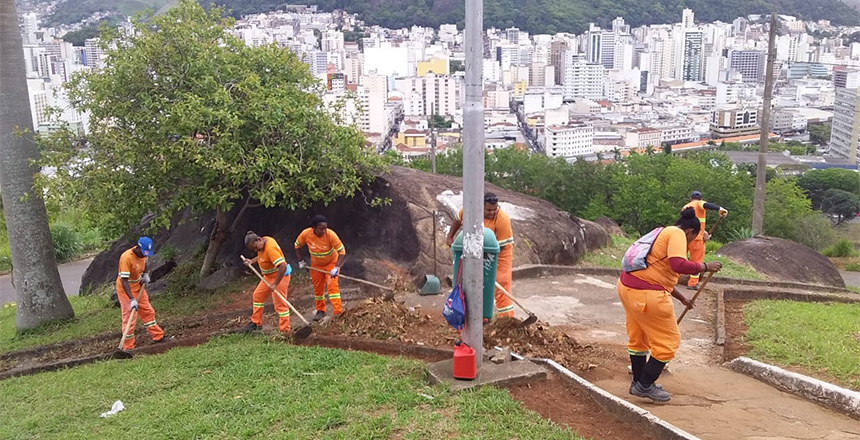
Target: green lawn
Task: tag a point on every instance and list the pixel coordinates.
(252, 387)
(610, 256)
(820, 338)
(95, 314)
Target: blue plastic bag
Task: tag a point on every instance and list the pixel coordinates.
(454, 310)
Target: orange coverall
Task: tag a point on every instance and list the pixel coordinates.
(269, 259)
(131, 267)
(501, 227)
(697, 246)
(650, 314)
(325, 252)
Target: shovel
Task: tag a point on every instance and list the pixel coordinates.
(701, 288)
(301, 333)
(532, 317)
(388, 296)
(120, 353)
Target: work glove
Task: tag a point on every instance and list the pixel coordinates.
(334, 272)
(706, 236)
(144, 279)
(133, 304)
(724, 212)
(303, 264)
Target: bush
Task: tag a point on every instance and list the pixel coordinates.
(67, 242)
(91, 240)
(814, 231)
(842, 248)
(712, 246)
(853, 267)
(741, 233)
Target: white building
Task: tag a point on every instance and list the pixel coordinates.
(846, 124)
(785, 120)
(692, 57)
(93, 54)
(373, 95)
(570, 140)
(430, 94)
(582, 79)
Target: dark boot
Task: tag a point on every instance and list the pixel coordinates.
(319, 316)
(650, 392)
(165, 339)
(251, 327)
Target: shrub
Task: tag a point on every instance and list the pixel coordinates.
(91, 239)
(842, 248)
(712, 246)
(814, 231)
(741, 233)
(853, 267)
(67, 242)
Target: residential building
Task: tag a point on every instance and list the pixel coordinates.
(734, 121)
(582, 79)
(94, 56)
(644, 137)
(676, 134)
(845, 131)
(570, 140)
(692, 57)
(373, 95)
(787, 121)
(430, 94)
(846, 78)
(750, 64)
(438, 66)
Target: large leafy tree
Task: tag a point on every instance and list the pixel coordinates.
(184, 115)
(817, 182)
(39, 291)
(841, 204)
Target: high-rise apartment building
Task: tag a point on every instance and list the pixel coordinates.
(845, 131)
(692, 57)
(570, 140)
(749, 63)
(582, 79)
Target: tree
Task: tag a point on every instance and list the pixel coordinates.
(439, 121)
(39, 291)
(819, 134)
(186, 116)
(456, 66)
(843, 205)
(667, 148)
(817, 182)
(785, 202)
(616, 154)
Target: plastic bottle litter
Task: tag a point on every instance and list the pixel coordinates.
(117, 407)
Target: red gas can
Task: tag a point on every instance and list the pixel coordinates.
(465, 366)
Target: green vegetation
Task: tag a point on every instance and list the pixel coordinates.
(819, 134)
(853, 267)
(854, 289)
(712, 246)
(645, 191)
(74, 11)
(610, 257)
(842, 248)
(186, 116)
(819, 338)
(551, 16)
(251, 387)
(818, 182)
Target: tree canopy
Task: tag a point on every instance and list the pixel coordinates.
(185, 115)
(817, 182)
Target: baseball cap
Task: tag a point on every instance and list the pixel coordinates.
(145, 245)
(696, 195)
(491, 198)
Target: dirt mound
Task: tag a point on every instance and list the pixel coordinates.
(538, 340)
(400, 233)
(610, 226)
(784, 260)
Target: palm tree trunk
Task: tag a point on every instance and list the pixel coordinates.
(39, 290)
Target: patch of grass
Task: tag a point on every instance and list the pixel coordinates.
(853, 267)
(853, 289)
(712, 246)
(95, 314)
(252, 387)
(842, 248)
(611, 255)
(820, 338)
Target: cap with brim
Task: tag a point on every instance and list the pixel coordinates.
(145, 245)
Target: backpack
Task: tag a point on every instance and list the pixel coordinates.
(636, 257)
(454, 310)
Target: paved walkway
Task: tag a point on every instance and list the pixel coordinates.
(70, 273)
(851, 278)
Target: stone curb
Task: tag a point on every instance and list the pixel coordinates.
(756, 294)
(541, 270)
(817, 391)
(626, 411)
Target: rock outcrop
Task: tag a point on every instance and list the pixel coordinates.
(784, 260)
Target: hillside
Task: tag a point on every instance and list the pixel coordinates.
(74, 11)
(551, 16)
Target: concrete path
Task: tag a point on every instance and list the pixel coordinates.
(851, 278)
(708, 401)
(70, 273)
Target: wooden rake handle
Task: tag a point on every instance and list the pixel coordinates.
(714, 227)
(701, 288)
(508, 294)
(274, 289)
(357, 280)
(132, 318)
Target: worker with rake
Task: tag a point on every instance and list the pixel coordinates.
(327, 256)
(132, 293)
(697, 247)
(651, 269)
(500, 224)
(276, 272)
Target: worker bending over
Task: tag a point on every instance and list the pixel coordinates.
(327, 256)
(697, 246)
(276, 272)
(131, 292)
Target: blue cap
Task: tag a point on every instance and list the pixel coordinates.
(145, 245)
(696, 195)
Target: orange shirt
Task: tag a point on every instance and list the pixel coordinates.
(701, 214)
(131, 266)
(270, 257)
(323, 249)
(672, 242)
(501, 226)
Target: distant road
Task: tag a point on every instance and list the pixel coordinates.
(851, 278)
(70, 273)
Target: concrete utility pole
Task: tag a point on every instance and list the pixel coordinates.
(761, 169)
(473, 179)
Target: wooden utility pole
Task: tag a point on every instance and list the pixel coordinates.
(761, 169)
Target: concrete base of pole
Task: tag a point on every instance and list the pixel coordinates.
(505, 374)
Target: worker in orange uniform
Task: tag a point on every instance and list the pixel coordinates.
(697, 246)
(327, 254)
(130, 282)
(500, 224)
(276, 271)
(650, 315)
